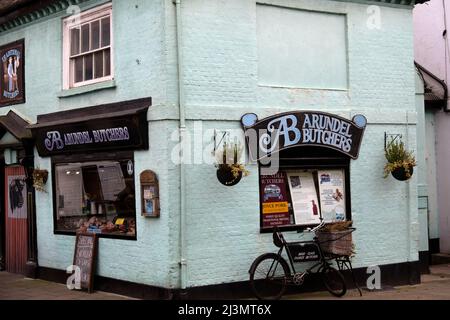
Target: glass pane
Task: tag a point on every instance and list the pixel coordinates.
(78, 69)
(95, 197)
(88, 68)
(98, 64)
(107, 62)
(75, 41)
(95, 34)
(106, 32)
(85, 38)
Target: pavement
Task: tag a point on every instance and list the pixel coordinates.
(16, 287)
(434, 286)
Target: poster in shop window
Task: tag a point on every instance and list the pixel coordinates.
(304, 197)
(275, 205)
(17, 197)
(332, 194)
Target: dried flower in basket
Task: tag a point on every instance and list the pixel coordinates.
(40, 179)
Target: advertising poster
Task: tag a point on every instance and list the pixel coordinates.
(304, 198)
(17, 196)
(275, 203)
(332, 194)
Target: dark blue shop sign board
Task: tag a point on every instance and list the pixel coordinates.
(303, 128)
(103, 133)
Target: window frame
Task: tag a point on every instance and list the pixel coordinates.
(69, 23)
(313, 163)
(109, 156)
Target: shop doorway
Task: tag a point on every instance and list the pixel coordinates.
(18, 247)
(15, 217)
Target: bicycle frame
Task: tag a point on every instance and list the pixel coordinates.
(321, 260)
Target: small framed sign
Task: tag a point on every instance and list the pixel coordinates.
(150, 194)
(85, 258)
(12, 73)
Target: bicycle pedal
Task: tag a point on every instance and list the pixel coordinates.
(299, 278)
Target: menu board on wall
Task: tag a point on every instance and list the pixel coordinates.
(274, 198)
(304, 198)
(332, 194)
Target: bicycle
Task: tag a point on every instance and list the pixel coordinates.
(270, 274)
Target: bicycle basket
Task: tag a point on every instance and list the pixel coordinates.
(336, 242)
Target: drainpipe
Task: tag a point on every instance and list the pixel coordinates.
(182, 131)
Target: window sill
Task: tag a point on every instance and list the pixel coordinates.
(99, 235)
(298, 228)
(87, 89)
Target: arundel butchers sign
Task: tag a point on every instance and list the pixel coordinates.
(116, 133)
(308, 128)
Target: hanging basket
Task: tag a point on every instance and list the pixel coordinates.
(40, 178)
(226, 177)
(401, 174)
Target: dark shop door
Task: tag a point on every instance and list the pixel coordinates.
(15, 219)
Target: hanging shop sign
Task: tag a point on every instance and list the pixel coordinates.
(274, 200)
(120, 133)
(308, 128)
(12, 73)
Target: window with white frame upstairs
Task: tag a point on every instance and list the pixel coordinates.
(88, 47)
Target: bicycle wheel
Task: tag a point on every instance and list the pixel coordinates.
(268, 276)
(334, 281)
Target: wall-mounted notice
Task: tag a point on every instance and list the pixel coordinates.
(304, 198)
(332, 194)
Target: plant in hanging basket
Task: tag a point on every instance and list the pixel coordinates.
(400, 162)
(229, 169)
(40, 178)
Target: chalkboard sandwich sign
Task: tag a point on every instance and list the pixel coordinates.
(85, 258)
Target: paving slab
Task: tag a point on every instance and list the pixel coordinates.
(16, 287)
(434, 286)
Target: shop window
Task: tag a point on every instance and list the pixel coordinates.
(88, 47)
(95, 196)
(312, 184)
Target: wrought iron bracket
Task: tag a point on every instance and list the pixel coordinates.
(392, 137)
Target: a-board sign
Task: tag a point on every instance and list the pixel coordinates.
(85, 258)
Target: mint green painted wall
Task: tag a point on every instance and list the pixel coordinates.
(141, 70)
(221, 84)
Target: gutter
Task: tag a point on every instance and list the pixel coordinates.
(434, 77)
(182, 131)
